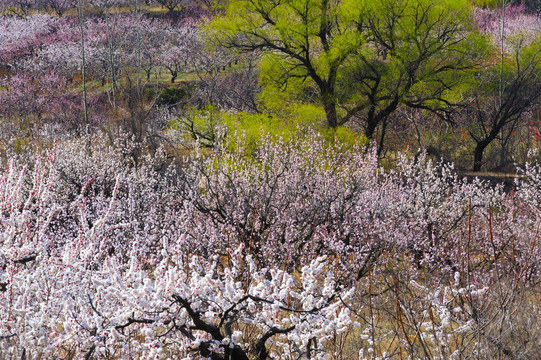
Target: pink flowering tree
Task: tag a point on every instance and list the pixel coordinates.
(28, 96)
(99, 303)
(177, 50)
(295, 196)
(21, 38)
(516, 23)
(290, 248)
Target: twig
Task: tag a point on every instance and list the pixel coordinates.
(26, 259)
(92, 306)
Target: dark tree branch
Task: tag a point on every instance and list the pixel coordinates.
(133, 320)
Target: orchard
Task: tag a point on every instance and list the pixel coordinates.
(270, 180)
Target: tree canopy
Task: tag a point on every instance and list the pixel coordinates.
(358, 59)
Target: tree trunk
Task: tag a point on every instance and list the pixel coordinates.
(482, 145)
(375, 117)
(370, 129)
(329, 104)
(382, 139)
(478, 154)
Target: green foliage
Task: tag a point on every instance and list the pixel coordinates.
(287, 29)
(172, 95)
(356, 58)
(488, 4)
(345, 137)
(522, 65)
(22, 145)
(210, 126)
(292, 108)
(249, 128)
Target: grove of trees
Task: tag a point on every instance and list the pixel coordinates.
(303, 249)
(286, 179)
